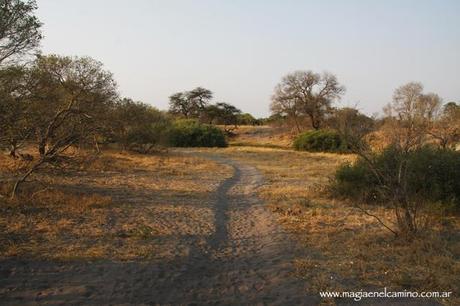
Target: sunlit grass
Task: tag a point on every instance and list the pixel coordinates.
(345, 249)
(120, 206)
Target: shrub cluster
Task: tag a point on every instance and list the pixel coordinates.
(431, 175)
(190, 133)
(138, 126)
(320, 141)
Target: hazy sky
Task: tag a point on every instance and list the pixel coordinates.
(241, 49)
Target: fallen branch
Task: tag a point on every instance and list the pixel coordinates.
(377, 218)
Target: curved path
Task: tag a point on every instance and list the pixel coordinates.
(246, 261)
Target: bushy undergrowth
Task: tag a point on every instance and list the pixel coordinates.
(431, 174)
(320, 141)
(190, 133)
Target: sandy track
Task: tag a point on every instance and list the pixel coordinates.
(247, 260)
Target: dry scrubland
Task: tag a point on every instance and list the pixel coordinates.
(120, 206)
(347, 249)
(262, 136)
(125, 206)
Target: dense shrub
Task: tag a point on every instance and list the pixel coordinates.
(431, 174)
(138, 126)
(320, 141)
(190, 133)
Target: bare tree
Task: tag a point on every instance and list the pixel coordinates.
(285, 103)
(307, 93)
(19, 28)
(446, 130)
(352, 125)
(411, 114)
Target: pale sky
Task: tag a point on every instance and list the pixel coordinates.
(241, 49)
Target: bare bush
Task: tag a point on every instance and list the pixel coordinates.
(411, 117)
(446, 130)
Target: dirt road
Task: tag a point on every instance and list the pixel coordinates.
(247, 260)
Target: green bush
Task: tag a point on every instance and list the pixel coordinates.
(138, 126)
(190, 133)
(320, 141)
(431, 174)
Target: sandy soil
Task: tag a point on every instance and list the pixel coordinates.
(247, 259)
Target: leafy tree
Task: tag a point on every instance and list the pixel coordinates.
(228, 114)
(246, 119)
(221, 113)
(139, 126)
(190, 104)
(66, 100)
(305, 93)
(19, 28)
(210, 113)
(15, 125)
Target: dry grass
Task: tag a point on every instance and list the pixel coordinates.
(345, 249)
(262, 136)
(119, 206)
(139, 207)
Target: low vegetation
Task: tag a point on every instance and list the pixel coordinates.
(320, 141)
(118, 206)
(138, 126)
(190, 133)
(345, 249)
(432, 175)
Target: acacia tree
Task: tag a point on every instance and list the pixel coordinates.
(228, 116)
(191, 103)
(19, 28)
(246, 119)
(67, 100)
(308, 94)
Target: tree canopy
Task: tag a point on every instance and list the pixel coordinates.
(306, 93)
(190, 104)
(19, 29)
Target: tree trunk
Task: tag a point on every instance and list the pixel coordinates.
(13, 152)
(296, 124)
(96, 145)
